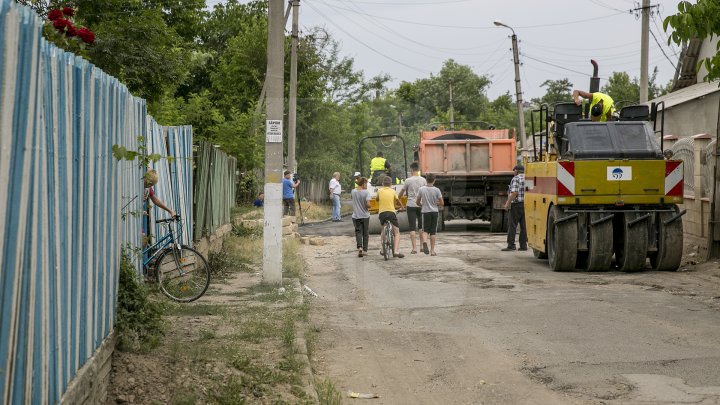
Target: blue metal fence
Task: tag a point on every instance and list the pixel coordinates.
(62, 197)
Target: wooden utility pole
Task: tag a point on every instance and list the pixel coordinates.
(272, 235)
(292, 108)
(644, 51)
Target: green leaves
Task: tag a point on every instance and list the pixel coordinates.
(697, 21)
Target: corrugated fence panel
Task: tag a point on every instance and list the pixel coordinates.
(174, 188)
(214, 189)
(179, 141)
(66, 205)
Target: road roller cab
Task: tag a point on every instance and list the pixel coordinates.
(600, 194)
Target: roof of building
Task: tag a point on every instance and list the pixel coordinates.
(688, 93)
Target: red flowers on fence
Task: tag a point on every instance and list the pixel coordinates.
(62, 21)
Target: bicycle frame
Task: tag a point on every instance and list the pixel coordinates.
(167, 240)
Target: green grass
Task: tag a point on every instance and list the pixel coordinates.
(327, 393)
(178, 309)
(250, 347)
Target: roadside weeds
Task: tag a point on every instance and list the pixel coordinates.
(243, 342)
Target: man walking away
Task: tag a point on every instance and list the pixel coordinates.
(430, 200)
(361, 216)
(288, 194)
(515, 204)
(335, 190)
(412, 185)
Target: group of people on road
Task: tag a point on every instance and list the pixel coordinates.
(424, 201)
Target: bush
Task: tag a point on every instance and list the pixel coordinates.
(138, 323)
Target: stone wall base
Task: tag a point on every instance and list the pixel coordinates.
(212, 243)
(91, 382)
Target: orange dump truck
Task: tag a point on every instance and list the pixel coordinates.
(473, 169)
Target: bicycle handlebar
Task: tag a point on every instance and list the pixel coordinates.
(166, 220)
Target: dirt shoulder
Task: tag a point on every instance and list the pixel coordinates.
(240, 343)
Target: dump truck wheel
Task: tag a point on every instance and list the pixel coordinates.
(600, 244)
(561, 242)
(498, 220)
(669, 244)
(632, 242)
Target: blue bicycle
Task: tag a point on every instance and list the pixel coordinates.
(181, 271)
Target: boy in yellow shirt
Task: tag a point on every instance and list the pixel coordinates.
(387, 199)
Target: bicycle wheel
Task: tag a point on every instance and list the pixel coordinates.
(388, 244)
(183, 274)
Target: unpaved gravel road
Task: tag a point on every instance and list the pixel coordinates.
(475, 325)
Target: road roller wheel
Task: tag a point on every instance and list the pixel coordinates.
(498, 220)
(632, 241)
(561, 242)
(600, 243)
(669, 244)
(539, 255)
(374, 226)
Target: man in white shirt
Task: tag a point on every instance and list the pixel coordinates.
(335, 190)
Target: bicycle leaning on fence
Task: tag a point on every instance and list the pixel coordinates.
(181, 272)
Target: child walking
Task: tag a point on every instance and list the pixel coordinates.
(361, 216)
(430, 200)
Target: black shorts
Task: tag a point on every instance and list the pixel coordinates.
(430, 222)
(389, 216)
(415, 217)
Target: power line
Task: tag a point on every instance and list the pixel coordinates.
(558, 66)
(424, 24)
(433, 3)
(601, 4)
(443, 50)
(661, 48)
(309, 4)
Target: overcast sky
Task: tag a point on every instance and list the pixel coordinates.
(410, 39)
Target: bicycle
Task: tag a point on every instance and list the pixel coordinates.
(181, 272)
(389, 242)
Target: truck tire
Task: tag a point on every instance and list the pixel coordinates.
(669, 243)
(561, 242)
(498, 221)
(631, 244)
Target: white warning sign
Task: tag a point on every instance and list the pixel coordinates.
(273, 131)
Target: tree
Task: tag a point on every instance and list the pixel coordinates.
(626, 92)
(622, 90)
(697, 21)
(557, 91)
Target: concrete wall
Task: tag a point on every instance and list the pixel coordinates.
(693, 117)
(697, 202)
(90, 383)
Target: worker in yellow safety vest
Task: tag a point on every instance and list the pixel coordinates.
(378, 165)
(602, 106)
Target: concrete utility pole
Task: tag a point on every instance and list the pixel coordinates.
(292, 108)
(644, 51)
(272, 235)
(518, 89)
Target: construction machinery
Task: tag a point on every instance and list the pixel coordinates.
(395, 151)
(473, 169)
(598, 193)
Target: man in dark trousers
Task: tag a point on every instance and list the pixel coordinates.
(516, 207)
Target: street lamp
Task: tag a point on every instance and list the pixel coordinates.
(518, 90)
